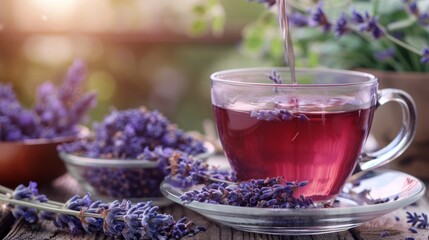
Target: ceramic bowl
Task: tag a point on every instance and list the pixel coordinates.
(33, 160)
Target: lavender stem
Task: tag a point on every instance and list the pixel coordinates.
(5, 190)
(47, 207)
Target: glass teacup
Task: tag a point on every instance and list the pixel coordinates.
(312, 131)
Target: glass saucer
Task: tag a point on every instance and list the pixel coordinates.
(355, 206)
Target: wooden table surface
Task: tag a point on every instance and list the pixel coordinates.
(64, 187)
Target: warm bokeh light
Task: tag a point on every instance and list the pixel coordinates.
(104, 83)
(50, 14)
(54, 6)
(39, 49)
(138, 52)
(104, 15)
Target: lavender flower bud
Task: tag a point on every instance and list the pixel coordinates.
(319, 18)
(357, 17)
(341, 26)
(297, 19)
(425, 57)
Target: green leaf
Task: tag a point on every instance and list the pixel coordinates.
(417, 41)
(330, 48)
(212, 3)
(276, 48)
(313, 59)
(405, 23)
(253, 44)
(198, 27)
(199, 10)
(390, 6)
(306, 34)
(218, 24)
(351, 42)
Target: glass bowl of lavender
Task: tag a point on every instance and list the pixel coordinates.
(129, 155)
(29, 136)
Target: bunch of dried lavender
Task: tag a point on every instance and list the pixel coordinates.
(183, 171)
(133, 134)
(125, 134)
(56, 113)
(264, 193)
(82, 215)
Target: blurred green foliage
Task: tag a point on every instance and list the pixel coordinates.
(352, 50)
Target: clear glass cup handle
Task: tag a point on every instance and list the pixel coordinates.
(371, 160)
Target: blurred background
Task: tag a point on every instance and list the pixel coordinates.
(153, 53)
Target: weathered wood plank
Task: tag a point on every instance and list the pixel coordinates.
(64, 188)
(6, 222)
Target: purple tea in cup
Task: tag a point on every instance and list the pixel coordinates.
(313, 131)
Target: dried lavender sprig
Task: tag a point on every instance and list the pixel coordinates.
(183, 170)
(81, 215)
(418, 220)
(44, 207)
(7, 190)
(275, 77)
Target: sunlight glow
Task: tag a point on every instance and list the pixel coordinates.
(48, 49)
(54, 6)
(44, 14)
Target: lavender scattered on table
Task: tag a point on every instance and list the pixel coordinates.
(262, 193)
(82, 215)
(135, 134)
(418, 220)
(412, 229)
(56, 113)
